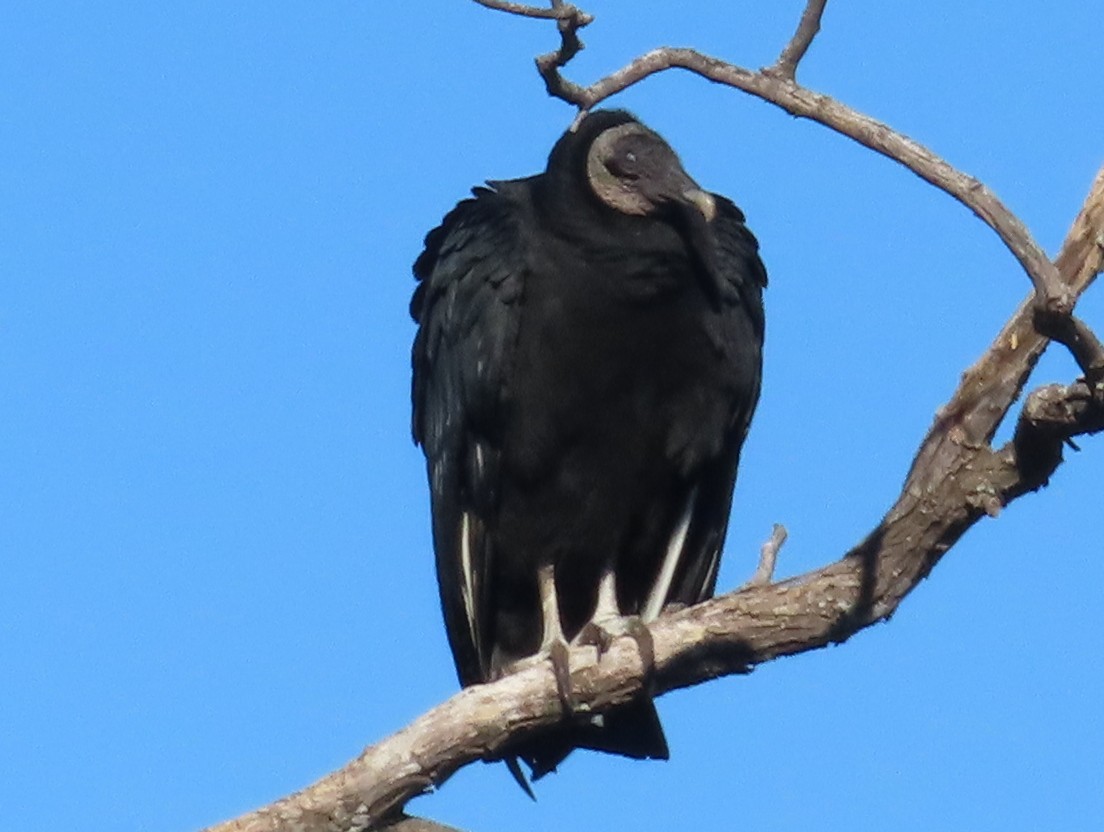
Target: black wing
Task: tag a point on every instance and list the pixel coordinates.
(737, 331)
(740, 265)
(467, 307)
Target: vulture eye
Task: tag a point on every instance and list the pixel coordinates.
(623, 166)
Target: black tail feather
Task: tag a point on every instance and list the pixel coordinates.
(632, 730)
(519, 777)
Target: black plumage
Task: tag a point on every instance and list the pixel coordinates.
(586, 365)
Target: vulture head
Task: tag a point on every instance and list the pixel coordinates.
(632, 179)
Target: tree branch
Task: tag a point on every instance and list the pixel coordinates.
(991, 386)
(558, 11)
(807, 28)
(571, 20)
(804, 103)
(995, 381)
(768, 557)
(730, 634)
(776, 86)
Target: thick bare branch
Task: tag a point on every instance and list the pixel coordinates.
(807, 28)
(989, 388)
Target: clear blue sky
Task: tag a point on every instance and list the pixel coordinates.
(215, 570)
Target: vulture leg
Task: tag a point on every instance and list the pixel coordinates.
(608, 623)
(599, 632)
(553, 643)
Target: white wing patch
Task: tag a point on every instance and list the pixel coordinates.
(467, 588)
(660, 589)
(711, 572)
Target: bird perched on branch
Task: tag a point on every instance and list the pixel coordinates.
(587, 361)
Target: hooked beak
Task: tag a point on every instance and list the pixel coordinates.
(676, 189)
(703, 201)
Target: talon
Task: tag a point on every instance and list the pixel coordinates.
(561, 667)
(553, 644)
(593, 635)
(645, 645)
(602, 635)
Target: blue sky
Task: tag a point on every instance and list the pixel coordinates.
(216, 574)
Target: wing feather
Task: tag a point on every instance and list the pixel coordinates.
(737, 332)
(470, 277)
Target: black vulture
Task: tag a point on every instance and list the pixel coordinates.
(587, 361)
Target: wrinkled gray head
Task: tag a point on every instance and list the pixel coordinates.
(634, 171)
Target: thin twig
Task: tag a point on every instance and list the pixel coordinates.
(558, 10)
(768, 557)
(1076, 336)
(807, 28)
(570, 22)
